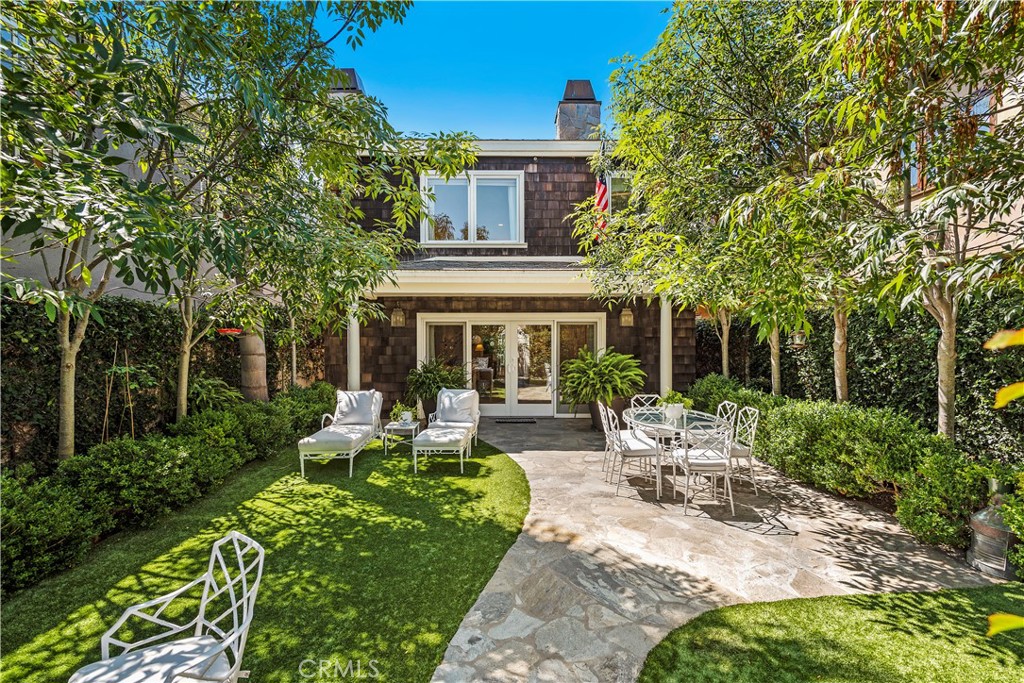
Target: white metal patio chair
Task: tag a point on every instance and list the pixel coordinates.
(207, 648)
(630, 446)
(704, 454)
(354, 424)
(742, 450)
(727, 411)
(644, 401)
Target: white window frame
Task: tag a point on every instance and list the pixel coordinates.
(518, 239)
(620, 175)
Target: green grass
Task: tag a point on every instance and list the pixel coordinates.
(907, 637)
(379, 567)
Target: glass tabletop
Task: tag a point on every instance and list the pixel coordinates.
(655, 418)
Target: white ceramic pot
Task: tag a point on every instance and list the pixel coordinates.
(674, 411)
(407, 416)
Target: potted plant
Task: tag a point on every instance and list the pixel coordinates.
(607, 376)
(401, 412)
(675, 404)
(430, 377)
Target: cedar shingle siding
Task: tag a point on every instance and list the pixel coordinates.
(388, 353)
(552, 188)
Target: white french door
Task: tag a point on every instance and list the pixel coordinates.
(511, 360)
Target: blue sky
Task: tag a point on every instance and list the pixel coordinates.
(496, 69)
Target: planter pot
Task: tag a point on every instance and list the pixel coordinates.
(674, 411)
(406, 417)
(618, 405)
(429, 406)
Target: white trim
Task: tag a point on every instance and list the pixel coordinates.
(472, 245)
(510, 321)
(509, 282)
(352, 357)
(512, 259)
(665, 347)
(538, 148)
(518, 230)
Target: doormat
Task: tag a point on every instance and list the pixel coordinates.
(515, 421)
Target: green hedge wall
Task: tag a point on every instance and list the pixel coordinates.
(893, 366)
(858, 451)
(29, 360)
(51, 521)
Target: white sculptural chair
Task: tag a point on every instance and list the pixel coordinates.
(207, 648)
(457, 409)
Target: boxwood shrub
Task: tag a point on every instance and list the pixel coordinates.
(856, 451)
(50, 521)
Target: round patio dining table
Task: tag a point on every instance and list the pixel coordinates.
(667, 430)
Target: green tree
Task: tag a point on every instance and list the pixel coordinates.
(928, 107)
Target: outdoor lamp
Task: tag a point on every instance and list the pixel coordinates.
(626, 317)
(397, 317)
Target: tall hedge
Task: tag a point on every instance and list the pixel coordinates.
(29, 359)
(893, 366)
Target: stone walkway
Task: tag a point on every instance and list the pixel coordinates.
(594, 581)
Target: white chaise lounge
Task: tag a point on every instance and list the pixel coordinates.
(451, 428)
(355, 423)
(457, 409)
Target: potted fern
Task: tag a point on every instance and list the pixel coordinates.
(430, 377)
(675, 404)
(608, 376)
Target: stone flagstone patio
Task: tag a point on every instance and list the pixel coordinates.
(594, 581)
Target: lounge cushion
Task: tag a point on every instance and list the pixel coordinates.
(442, 437)
(354, 408)
(445, 424)
(336, 438)
(156, 663)
(457, 405)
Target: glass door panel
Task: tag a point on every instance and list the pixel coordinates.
(571, 338)
(487, 368)
(447, 343)
(533, 364)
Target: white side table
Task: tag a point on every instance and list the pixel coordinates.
(396, 433)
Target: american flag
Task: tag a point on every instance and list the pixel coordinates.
(601, 197)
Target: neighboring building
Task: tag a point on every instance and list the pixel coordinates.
(507, 297)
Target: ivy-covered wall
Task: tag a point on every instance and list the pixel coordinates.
(894, 366)
(149, 333)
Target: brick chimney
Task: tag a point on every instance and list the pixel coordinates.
(345, 82)
(579, 113)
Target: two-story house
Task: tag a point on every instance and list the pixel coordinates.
(497, 285)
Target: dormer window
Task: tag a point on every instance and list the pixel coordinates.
(475, 208)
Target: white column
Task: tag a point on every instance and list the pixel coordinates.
(354, 366)
(665, 347)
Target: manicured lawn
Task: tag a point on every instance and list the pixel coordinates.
(379, 567)
(907, 637)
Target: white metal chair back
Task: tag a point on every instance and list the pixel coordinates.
(614, 434)
(232, 581)
(644, 401)
(225, 613)
(746, 427)
(709, 443)
(603, 412)
(727, 411)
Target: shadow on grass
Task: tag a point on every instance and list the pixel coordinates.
(900, 637)
(380, 567)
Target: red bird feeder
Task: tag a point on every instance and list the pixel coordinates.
(229, 331)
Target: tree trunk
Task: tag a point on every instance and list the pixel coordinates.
(254, 366)
(295, 361)
(946, 358)
(841, 318)
(184, 360)
(724, 322)
(70, 344)
(775, 344)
